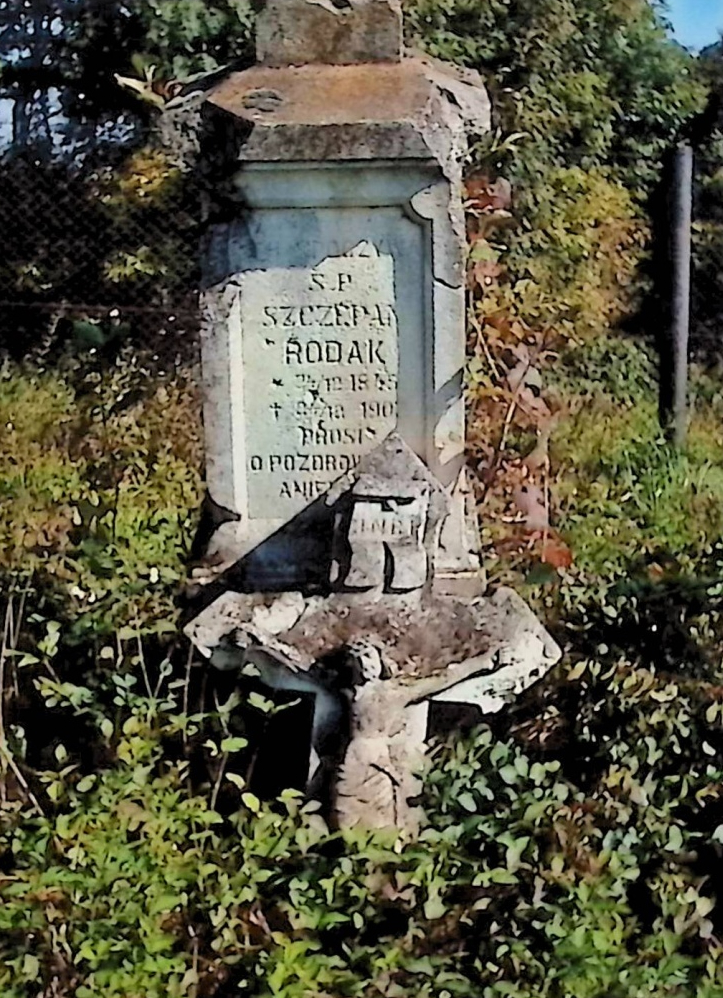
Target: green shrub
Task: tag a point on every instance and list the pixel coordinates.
(581, 870)
(577, 263)
(101, 485)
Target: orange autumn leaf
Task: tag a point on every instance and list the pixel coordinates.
(556, 553)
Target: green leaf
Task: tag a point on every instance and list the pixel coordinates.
(514, 852)
(467, 801)
(252, 802)
(675, 839)
(509, 774)
(522, 766)
(434, 908)
(164, 903)
(261, 703)
(31, 967)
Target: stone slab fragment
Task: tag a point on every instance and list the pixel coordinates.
(398, 659)
(440, 642)
(387, 531)
(295, 32)
(386, 537)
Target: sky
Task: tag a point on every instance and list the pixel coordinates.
(697, 23)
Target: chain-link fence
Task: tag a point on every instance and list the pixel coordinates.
(97, 245)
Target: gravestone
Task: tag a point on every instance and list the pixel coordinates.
(342, 564)
(335, 302)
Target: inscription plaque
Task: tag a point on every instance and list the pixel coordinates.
(320, 373)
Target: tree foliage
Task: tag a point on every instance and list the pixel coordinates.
(59, 58)
(181, 37)
(708, 225)
(595, 93)
(590, 83)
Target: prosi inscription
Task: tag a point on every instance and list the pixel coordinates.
(320, 369)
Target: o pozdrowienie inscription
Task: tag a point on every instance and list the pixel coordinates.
(320, 368)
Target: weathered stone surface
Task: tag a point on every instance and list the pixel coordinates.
(418, 109)
(400, 657)
(319, 363)
(331, 224)
(295, 32)
(386, 538)
(378, 779)
(387, 533)
(334, 303)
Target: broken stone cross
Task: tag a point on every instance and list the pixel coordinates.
(333, 355)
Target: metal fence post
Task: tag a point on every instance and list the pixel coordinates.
(681, 211)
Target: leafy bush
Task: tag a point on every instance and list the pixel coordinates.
(707, 300)
(577, 267)
(589, 84)
(571, 855)
(98, 497)
(624, 493)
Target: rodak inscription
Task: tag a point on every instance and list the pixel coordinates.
(321, 362)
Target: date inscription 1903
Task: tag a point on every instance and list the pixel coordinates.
(320, 369)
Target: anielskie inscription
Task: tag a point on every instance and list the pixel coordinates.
(320, 368)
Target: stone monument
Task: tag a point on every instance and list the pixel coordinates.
(334, 309)
(342, 559)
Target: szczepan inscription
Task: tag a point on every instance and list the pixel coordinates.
(320, 369)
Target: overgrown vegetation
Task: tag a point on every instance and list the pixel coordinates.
(572, 847)
(98, 501)
(573, 854)
(708, 227)
(589, 96)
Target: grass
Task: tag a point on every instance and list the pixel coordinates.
(623, 493)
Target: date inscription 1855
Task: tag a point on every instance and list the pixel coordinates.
(320, 369)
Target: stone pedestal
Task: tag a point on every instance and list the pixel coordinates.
(334, 304)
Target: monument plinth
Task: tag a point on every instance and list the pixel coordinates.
(333, 351)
